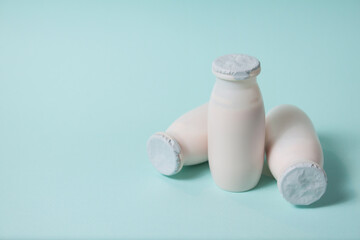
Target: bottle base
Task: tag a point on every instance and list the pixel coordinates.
(232, 185)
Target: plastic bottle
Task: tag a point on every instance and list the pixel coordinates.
(236, 123)
(183, 143)
(294, 155)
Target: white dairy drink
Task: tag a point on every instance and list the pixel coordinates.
(294, 155)
(183, 143)
(236, 123)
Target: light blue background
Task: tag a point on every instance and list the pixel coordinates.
(84, 84)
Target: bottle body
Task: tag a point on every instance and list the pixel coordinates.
(183, 143)
(236, 134)
(294, 155)
(190, 131)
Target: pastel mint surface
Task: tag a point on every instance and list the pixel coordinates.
(83, 84)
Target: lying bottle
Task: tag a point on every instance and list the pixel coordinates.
(294, 155)
(236, 123)
(183, 143)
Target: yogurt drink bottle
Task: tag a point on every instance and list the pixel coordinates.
(236, 123)
(294, 155)
(183, 143)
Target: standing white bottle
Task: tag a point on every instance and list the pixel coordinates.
(294, 155)
(236, 123)
(183, 143)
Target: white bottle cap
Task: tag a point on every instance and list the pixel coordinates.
(303, 183)
(164, 153)
(236, 67)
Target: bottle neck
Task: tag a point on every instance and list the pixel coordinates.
(236, 94)
(246, 83)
